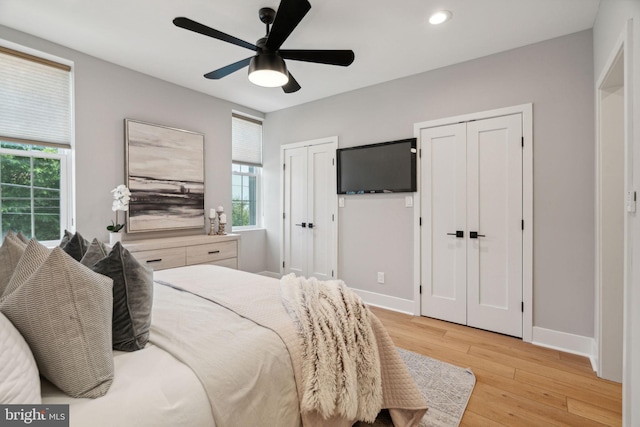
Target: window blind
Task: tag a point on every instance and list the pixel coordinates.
(246, 140)
(35, 100)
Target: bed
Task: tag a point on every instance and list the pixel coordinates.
(223, 351)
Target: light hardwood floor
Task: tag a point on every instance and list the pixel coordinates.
(517, 383)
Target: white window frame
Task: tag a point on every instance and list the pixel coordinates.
(259, 207)
(66, 154)
(259, 182)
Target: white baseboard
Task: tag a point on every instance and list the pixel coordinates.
(563, 341)
(386, 301)
(270, 274)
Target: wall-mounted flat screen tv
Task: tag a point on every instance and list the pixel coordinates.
(387, 167)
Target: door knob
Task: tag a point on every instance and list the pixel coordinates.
(475, 235)
(310, 225)
(303, 225)
(458, 233)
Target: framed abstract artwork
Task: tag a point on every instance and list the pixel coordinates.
(165, 174)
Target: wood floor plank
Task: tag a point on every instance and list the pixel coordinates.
(460, 359)
(517, 383)
(592, 396)
(518, 411)
(528, 391)
(595, 413)
(529, 362)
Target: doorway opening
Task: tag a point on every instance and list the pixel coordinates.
(610, 219)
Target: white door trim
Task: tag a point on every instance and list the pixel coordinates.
(527, 206)
(622, 46)
(334, 203)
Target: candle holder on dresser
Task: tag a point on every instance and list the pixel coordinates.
(222, 221)
(212, 222)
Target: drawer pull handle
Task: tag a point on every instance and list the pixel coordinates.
(154, 260)
(214, 252)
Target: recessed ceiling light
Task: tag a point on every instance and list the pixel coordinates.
(440, 17)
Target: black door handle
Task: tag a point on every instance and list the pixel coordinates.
(475, 235)
(310, 225)
(303, 225)
(458, 233)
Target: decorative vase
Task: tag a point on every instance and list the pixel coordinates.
(114, 237)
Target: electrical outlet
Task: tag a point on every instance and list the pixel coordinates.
(341, 202)
(380, 277)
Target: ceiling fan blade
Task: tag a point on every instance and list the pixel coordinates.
(225, 71)
(332, 57)
(191, 25)
(291, 86)
(289, 15)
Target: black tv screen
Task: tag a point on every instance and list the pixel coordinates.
(387, 167)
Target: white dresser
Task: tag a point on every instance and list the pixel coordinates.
(170, 252)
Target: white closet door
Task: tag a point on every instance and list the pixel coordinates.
(494, 212)
(309, 220)
(321, 206)
(443, 176)
(295, 211)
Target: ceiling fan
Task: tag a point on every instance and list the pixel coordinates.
(267, 67)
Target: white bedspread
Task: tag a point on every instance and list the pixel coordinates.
(206, 365)
(245, 368)
(248, 377)
(150, 389)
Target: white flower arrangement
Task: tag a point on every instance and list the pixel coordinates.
(121, 197)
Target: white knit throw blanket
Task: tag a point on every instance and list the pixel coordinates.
(340, 361)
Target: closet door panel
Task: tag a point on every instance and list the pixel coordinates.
(494, 212)
(295, 210)
(321, 195)
(443, 211)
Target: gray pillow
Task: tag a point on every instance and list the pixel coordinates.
(10, 254)
(76, 246)
(63, 310)
(65, 239)
(132, 298)
(95, 252)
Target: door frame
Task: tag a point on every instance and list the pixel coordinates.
(526, 110)
(333, 140)
(622, 48)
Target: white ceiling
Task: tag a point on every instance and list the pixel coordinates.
(391, 39)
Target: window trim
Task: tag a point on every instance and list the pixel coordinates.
(67, 180)
(65, 157)
(259, 204)
(259, 179)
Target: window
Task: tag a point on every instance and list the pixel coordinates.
(35, 145)
(246, 170)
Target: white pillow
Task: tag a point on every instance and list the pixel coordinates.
(19, 378)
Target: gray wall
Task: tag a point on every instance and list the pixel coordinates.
(611, 20)
(106, 94)
(557, 77)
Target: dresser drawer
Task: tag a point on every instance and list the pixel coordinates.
(212, 252)
(159, 259)
(229, 263)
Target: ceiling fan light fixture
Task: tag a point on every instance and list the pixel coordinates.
(439, 17)
(268, 70)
